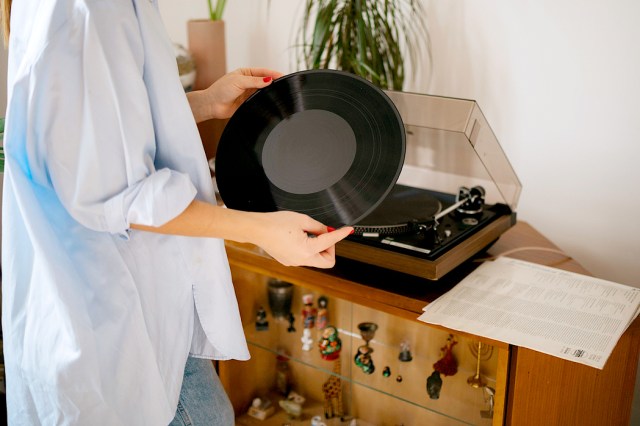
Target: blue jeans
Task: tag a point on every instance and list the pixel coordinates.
(203, 401)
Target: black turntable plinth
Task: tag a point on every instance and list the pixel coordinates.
(426, 233)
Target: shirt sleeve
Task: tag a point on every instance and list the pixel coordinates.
(93, 136)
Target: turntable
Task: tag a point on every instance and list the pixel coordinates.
(456, 193)
(421, 178)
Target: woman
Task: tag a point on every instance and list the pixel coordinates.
(113, 266)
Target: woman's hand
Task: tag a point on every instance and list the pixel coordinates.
(291, 238)
(294, 239)
(222, 98)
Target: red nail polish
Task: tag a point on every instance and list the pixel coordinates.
(330, 229)
(352, 232)
(266, 79)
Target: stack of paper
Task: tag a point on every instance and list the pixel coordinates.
(560, 313)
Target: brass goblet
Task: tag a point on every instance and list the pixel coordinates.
(367, 331)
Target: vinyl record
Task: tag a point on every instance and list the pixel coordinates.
(321, 142)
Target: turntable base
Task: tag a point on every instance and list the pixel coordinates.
(425, 233)
(425, 268)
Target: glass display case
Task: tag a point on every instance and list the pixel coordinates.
(388, 386)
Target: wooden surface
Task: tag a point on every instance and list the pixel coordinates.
(542, 390)
(547, 390)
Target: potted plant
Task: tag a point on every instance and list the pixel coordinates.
(375, 39)
(206, 42)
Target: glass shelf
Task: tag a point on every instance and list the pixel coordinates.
(399, 398)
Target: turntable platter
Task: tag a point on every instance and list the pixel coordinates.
(403, 206)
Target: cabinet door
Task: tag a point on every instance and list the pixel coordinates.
(548, 390)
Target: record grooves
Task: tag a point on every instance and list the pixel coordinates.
(321, 142)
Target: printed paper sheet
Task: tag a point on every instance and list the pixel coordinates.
(560, 313)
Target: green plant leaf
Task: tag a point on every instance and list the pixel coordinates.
(220, 5)
(376, 39)
(216, 12)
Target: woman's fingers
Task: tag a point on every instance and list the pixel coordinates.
(259, 72)
(298, 240)
(323, 247)
(326, 240)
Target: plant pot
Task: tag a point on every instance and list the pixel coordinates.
(206, 43)
(206, 40)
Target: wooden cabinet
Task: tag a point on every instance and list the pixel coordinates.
(530, 388)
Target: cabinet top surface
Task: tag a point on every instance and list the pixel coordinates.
(391, 291)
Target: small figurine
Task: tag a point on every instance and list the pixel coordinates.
(293, 404)
(261, 320)
(405, 352)
(309, 313)
(434, 384)
(292, 408)
(386, 372)
(317, 421)
(363, 359)
(283, 375)
(306, 339)
(261, 408)
(323, 313)
(490, 394)
(330, 344)
(291, 319)
(296, 397)
(447, 364)
(332, 390)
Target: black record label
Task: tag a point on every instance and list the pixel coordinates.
(321, 142)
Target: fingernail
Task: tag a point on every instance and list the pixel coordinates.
(330, 229)
(266, 79)
(352, 231)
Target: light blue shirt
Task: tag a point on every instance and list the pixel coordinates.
(98, 319)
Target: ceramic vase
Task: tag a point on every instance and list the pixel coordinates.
(206, 43)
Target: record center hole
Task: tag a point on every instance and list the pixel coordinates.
(309, 151)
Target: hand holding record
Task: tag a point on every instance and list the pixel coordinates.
(325, 143)
(229, 92)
